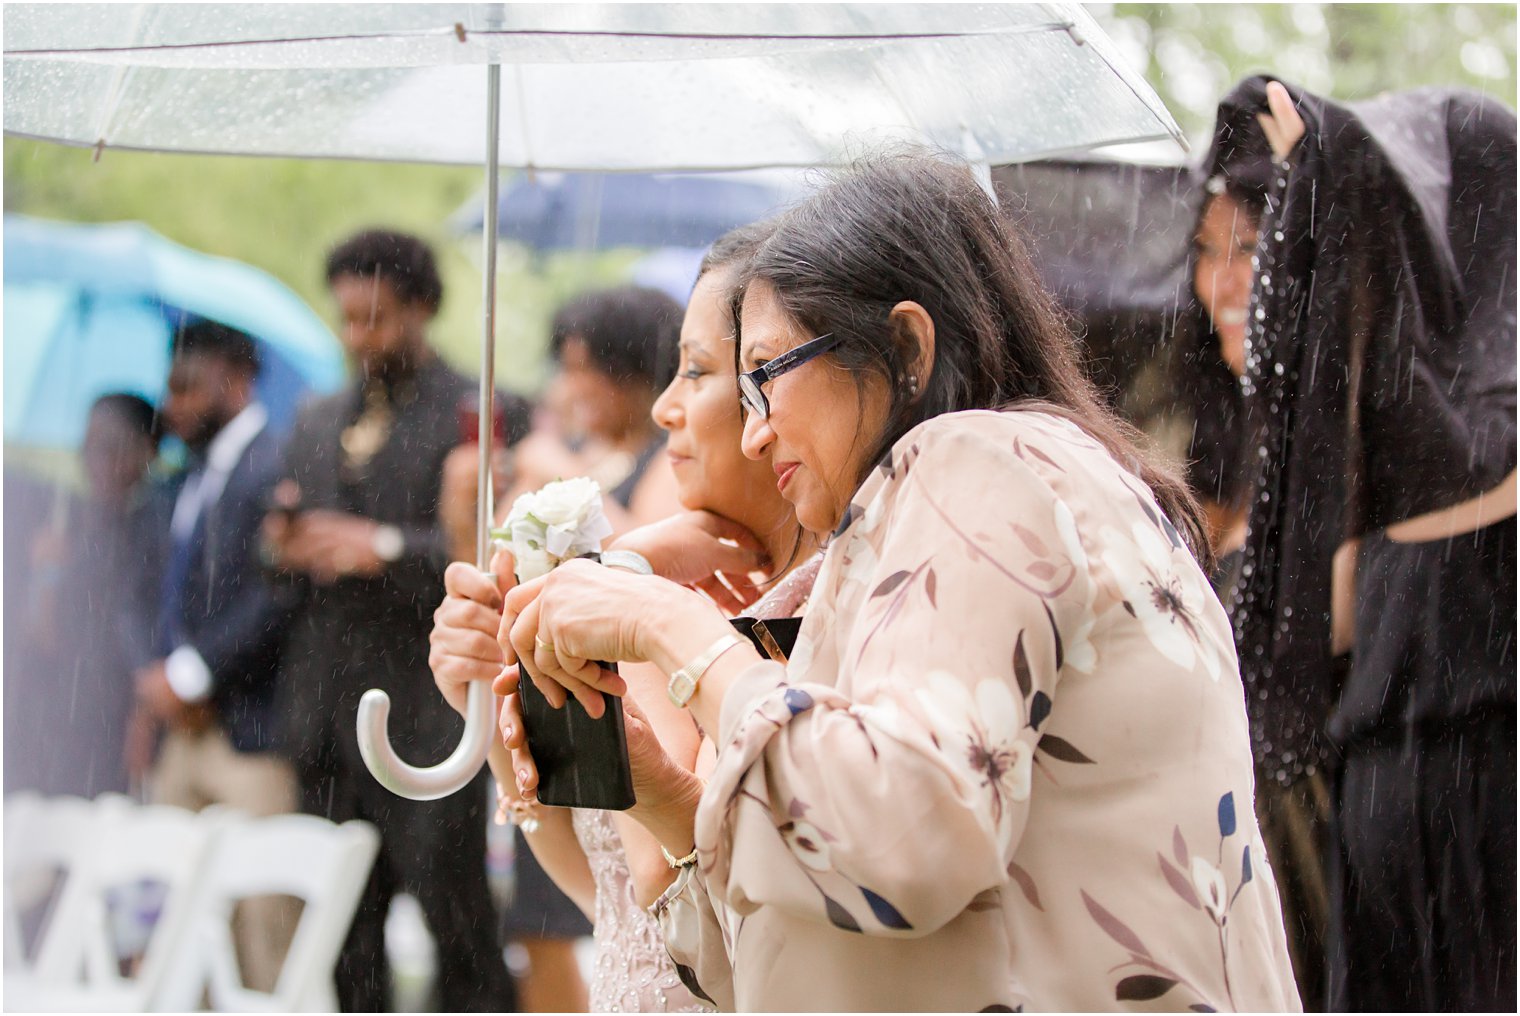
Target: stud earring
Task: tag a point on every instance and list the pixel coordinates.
(912, 384)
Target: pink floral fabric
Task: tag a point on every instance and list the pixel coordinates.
(1006, 766)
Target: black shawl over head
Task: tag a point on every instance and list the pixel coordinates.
(1380, 358)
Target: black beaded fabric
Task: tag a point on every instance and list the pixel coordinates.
(1380, 368)
(1287, 705)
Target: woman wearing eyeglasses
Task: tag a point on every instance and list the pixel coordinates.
(1007, 763)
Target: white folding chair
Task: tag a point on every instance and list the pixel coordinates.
(46, 839)
(325, 865)
(77, 967)
(20, 878)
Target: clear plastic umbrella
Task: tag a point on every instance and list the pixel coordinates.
(612, 87)
(588, 87)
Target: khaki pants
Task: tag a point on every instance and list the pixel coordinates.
(200, 768)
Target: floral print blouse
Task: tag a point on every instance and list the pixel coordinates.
(1007, 765)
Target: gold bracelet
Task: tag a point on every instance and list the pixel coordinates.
(679, 862)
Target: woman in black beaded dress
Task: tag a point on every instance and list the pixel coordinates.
(1379, 395)
(1292, 793)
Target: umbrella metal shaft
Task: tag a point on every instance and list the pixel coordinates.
(455, 772)
(483, 506)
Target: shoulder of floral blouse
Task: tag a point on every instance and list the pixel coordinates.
(1045, 441)
(1033, 417)
(986, 436)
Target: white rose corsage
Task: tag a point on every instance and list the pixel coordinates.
(546, 527)
(559, 521)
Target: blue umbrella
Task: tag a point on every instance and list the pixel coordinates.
(581, 211)
(92, 309)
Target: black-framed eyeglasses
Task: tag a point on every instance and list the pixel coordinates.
(753, 399)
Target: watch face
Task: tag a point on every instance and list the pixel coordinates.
(389, 543)
(681, 688)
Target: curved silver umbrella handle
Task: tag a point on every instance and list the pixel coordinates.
(441, 780)
(455, 772)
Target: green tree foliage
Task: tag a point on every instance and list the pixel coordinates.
(284, 214)
(1192, 53)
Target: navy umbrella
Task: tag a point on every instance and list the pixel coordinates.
(582, 211)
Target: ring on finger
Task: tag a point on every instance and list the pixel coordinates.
(547, 647)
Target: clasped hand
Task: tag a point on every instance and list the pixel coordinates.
(581, 613)
(563, 622)
(325, 545)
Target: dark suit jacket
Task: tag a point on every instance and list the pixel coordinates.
(362, 633)
(232, 616)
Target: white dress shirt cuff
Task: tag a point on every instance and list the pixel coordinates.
(188, 675)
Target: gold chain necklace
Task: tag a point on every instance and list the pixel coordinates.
(368, 434)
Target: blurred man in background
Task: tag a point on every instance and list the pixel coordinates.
(356, 528)
(220, 625)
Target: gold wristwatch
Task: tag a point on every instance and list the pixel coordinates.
(683, 683)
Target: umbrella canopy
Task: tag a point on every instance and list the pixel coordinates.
(92, 309)
(584, 86)
(581, 211)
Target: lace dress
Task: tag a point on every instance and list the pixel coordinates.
(632, 972)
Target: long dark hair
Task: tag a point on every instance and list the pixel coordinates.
(914, 225)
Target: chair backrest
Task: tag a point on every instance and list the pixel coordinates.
(128, 846)
(45, 837)
(325, 865)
